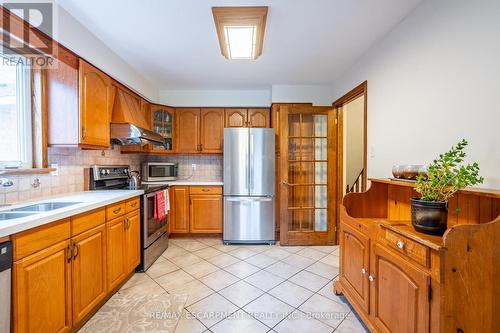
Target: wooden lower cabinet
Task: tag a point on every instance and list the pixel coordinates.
(355, 265)
(132, 241)
(196, 209)
(42, 291)
(205, 213)
(116, 255)
(179, 221)
(88, 271)
(61, 277)
(399, 293)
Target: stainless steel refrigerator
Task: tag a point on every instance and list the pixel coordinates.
(249, 185)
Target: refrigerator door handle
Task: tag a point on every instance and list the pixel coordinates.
(267, 199)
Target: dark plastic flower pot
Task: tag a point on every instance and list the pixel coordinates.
(429, 217)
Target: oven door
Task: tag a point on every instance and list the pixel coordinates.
(153, 228)
(161, 172)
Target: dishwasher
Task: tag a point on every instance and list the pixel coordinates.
(5, 285)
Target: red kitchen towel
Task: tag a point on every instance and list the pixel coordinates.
(160, 212)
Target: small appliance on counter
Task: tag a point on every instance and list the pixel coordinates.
(249, 185)
(159, 172)
(154, 236)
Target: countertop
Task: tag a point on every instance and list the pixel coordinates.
(189, 183)
(87, 201)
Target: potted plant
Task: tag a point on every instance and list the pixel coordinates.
(445, 176)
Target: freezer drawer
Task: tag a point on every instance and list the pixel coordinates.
(249, 220)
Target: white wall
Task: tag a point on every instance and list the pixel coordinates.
(319, 95)
(180, 98)
(432, 81)
(77, 38)
(354, 142)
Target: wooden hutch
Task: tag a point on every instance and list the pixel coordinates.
(401, 280)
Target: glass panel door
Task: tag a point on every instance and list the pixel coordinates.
(305, 184)
(163, 125)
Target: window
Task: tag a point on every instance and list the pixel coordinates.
(15, 115)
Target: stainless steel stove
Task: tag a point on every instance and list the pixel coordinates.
(154, 236)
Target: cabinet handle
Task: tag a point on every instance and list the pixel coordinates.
(84, 133)
(69, 253)
(401, 245)
(371, 278)
(76, 248)
(205, 190)
(363, 271)
(117, 210)
(133, 204)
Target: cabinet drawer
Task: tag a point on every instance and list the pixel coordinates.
(87, 221)
(205, 190)
(132, 204)
(34, 240)
(115, 210)
(413, 250)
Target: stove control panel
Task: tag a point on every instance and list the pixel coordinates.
(102, 172)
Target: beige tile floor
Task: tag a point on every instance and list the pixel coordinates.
(250, 288)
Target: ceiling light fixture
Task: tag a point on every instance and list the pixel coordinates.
(240, 31)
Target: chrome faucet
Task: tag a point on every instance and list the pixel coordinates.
(6, 182)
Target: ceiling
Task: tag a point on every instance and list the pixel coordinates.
(174, 43)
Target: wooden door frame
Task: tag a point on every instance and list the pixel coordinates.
(332, 211)
(358, 91)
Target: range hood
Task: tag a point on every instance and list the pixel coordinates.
(129, 134)
(128, 124)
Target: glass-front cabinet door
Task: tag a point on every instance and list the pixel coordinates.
(162, 119)
(307, 172)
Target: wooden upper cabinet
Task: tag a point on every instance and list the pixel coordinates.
(236, 117)
(188, 130)
(211, 130)
(163, 122)
(42, 291)
(95, 105)
(355, 258)
(399, 293)
(259, 118)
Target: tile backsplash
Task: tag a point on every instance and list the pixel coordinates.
(208, 167)
(71, 162)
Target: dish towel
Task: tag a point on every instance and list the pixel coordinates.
(167, 201)
(160, 206)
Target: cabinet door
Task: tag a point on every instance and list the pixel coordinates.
(89, 271)
(205, 214)
(94, 106)
(259, 118)
(115, 231)
(355, 256)
(132, 241)
(399, 293)
(212, 130)
(180, 208)
(188, 130)
(235, 117)
(42, 291)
